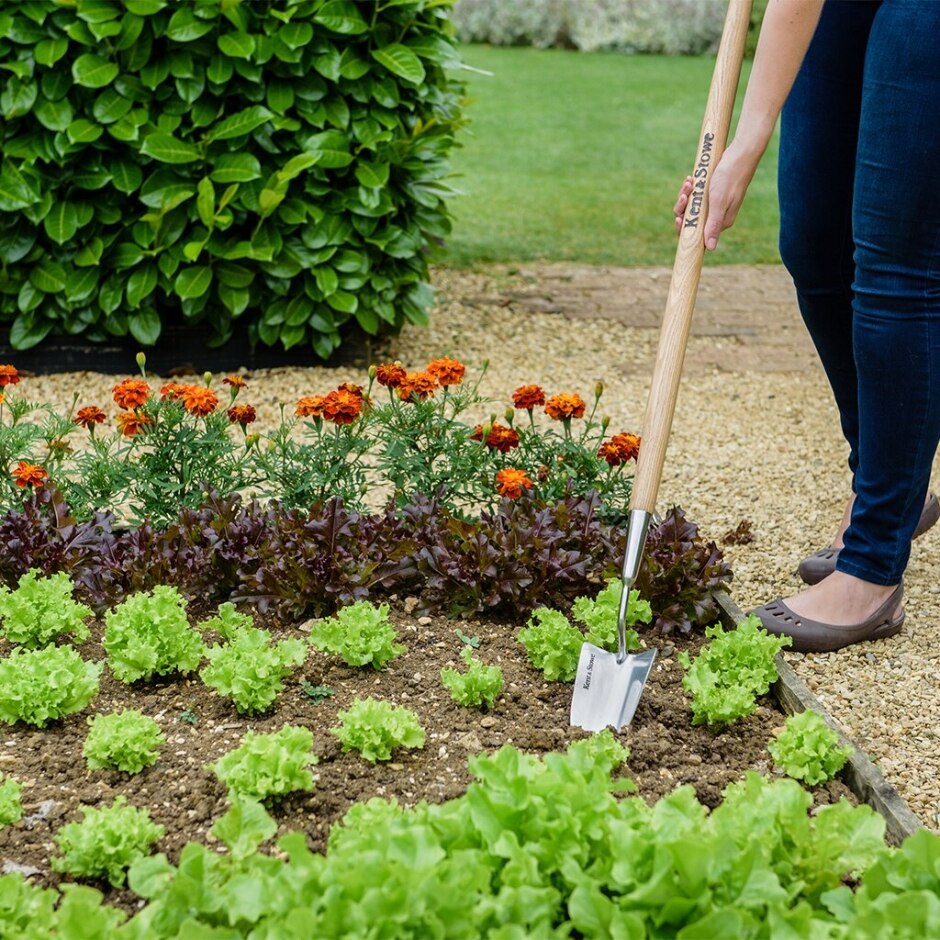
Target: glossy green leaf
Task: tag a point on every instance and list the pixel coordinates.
(127, 176)
(90, 253)
(237, 45)
(372, 175)
(48, 276)
(237, 125)
(49, 51)
(18, 97)
(94, 71)
(295, 35)
(193, 281)
(15, 245)
(145, 326)
(400, 61)
(141, 284)
(16, 191)
(61, 223)
(205, 202)
(185, 27)
(83, 131)
(235, 168)
(54, 115)
(145, 7)
(27, 332)
(81, 284)
(235, 299)
(125, 255)
(169, 149)
(343, 301)
(110, 106)
(341, 16)
(332, 147)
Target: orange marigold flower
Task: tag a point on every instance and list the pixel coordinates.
(528, 396)
(619, 449)
(390, 374)
(8, 375)
(419, 384)
(310, 406)
(446, 371)
(131, 393)
(564, 407)
(90, 416)
(132, 423)
(171, 390)
(511, 482)
(241, 414)
(198, 400)
(352, 388)
(500, 437)
(342, 406)
(29, 474)
(236, 381)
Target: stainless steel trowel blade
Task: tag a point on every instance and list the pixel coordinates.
(607, 692)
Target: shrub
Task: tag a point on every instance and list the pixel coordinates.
(268, 766)
(106, 842)
(248, 668)
(148, 634)
(375, 728)
(11, 809)
(656, 26)
(808, 749)
(208, 161)
(479, 686)
(38, 686)
(361, 633)
(127, 741)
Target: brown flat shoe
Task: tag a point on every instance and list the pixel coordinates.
(811, 636)
(821, 564)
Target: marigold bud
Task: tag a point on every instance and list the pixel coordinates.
(141, 360)
(373, 371)
(252, 439)
(605, 422)
(598, 390)
(207, 378)
(509, 414)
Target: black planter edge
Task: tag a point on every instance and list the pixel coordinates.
(860, 774)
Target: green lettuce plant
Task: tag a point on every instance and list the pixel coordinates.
(479, 686)
(38, 686)
(11, 808)
(126, 740)
(360, 633)
(731, 671)
(599, 615)
(249, 668)
(106, 842)
(375, 728)
(41, 609)
(553, 644)
(808, 749)
(148, 634)
(268, 766)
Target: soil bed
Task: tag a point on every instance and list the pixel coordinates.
(199, 726)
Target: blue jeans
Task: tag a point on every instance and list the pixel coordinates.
(860, 235)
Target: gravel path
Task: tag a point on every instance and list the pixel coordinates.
(755, 438)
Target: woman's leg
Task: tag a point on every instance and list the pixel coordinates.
(819, 134)
(896, 226)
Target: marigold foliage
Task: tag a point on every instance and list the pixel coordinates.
(249, 667)
(148, 634)
(361, 633)
(808, 749)
(126, 741)
(38, 686)
(553, 644)
(11, 808)
(731, 671)
(478, 687)
(40, 610)
(375, 728)
(268, 766)
(106, 842)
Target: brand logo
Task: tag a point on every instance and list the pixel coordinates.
(700, 176)
(590, 670)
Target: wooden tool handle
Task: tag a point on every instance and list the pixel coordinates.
(680, 302)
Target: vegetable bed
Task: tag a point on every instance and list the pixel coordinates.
(532, 714)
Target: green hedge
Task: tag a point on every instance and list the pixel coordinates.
(276, 160)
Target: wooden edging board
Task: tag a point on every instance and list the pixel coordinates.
(861, 776)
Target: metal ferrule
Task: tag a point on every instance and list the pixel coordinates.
(637, 527)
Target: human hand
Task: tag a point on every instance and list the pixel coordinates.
(730, 178)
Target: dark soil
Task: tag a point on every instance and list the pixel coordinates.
(186, 798)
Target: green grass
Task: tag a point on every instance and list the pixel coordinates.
(573, 156)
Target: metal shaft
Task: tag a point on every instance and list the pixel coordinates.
(637, 527)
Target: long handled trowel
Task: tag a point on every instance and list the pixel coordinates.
(608, 687)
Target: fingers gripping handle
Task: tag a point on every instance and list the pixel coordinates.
(687, 268)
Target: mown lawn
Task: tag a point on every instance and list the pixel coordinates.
(578, 156)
